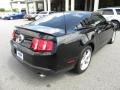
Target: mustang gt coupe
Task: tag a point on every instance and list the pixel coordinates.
(62, 41)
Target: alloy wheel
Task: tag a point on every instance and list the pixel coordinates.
(85, 59)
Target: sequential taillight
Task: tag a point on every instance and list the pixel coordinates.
(41, 45)
(14, 35)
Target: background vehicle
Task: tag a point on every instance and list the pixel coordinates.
(61, 41)
(31, 16)
(111, 14)
(13, 15)
(43, 14)
(2, 15)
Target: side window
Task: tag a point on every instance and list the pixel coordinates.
(108, 12)
(92, 21)
(83, 23)
(79, 26)
(118, 11)
(101, 18)
(97, 19)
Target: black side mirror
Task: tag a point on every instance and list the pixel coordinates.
(109, 22)
(116, 27)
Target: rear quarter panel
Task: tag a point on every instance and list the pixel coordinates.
(70, 47)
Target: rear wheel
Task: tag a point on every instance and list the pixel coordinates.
(29, 19)
(83, 60)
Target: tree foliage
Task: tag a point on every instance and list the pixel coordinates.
(2, 10)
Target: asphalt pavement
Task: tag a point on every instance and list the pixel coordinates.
(102, 74)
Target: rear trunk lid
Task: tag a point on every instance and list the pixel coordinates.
(43, 29)
(43, 32)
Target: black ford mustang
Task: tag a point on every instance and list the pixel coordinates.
(61, 41)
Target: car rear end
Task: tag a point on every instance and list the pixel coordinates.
(44, 44)
(35, 49)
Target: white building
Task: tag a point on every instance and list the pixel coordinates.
(55, 5)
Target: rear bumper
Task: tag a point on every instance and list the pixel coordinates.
(45, 64)
(33, 60)
(35, 68)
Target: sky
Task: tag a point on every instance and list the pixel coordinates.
(5, 4)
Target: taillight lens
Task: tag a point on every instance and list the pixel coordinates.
(14, 35)
(41, 45)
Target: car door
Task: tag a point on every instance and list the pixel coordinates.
(100, 23)
(106, 29)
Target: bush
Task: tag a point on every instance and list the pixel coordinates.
(15, 10)
(2, 10)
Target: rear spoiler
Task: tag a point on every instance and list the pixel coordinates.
(31, 32)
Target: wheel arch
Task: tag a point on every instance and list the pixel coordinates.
(116, 21)
(92, 46)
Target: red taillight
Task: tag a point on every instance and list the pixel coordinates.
(41, 45)
(13, 34)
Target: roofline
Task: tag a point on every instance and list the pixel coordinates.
(109, 8)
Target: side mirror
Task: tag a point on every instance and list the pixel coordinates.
(116, 27)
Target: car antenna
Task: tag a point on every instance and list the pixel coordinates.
(65, 23)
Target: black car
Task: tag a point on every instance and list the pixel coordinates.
(61, 41)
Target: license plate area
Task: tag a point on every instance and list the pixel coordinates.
(19, 54)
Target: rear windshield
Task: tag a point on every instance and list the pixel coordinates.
(54, 20)
(118, 11)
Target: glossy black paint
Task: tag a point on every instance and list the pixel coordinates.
(69, 41)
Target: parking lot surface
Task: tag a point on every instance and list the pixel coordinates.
(102, 74)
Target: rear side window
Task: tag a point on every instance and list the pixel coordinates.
(96, 19)
(118, 11)
(108, 12)
(75, 20)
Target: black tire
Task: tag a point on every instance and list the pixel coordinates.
(11, 18)
(29, 19)
(78, 65)
(113, 38)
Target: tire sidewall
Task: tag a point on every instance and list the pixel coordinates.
(78, 64)
(111, 40)
(113, 36)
